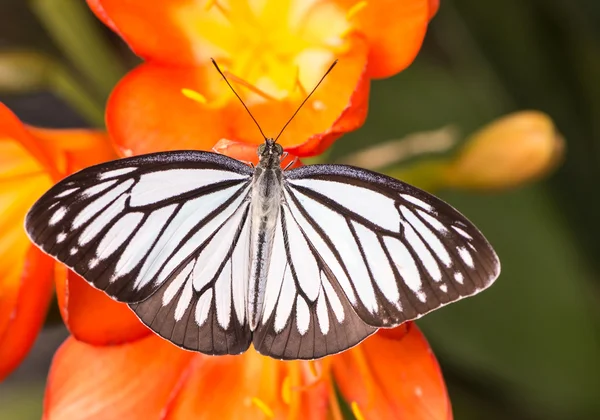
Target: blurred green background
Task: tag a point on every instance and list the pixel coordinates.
(529, 348)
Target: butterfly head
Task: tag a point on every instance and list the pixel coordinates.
(269, 148)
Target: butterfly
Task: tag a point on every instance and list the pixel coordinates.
(213, 254)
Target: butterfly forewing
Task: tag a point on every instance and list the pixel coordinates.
(396, 251)
(136, 228)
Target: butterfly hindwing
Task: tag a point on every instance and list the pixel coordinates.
(305, 314)
(201, 306)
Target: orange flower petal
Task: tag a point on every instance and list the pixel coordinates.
(337, 106)
(148, 113)
(351, 118)
(13, 130)
(249, 386)
(399, 377)
(74, 149)
(434, 5)
(132, 381)
(92, 316)
(26, 305)
(395, 32)
(151, 31)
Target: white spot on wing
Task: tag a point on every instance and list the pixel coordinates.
(417, 202)
(100, 222)
(462, 232)
(156, 186)
(379, 264)
(57, 216)
(240, 272)
(277, 269)
(203, 307)
(444, 288)
(223, 296)
(302, 315)
(116, 172)
(373, 206)
(334, 300)
(336, 228)
(406, 265)
(459, 277)
(323, 250)
(322, 313)
(118, 234)
(142, 241)
(102, 201)
(184, 250)
(61, 237)
(305, 264)
(286, 302)
(98, 188)
(466, 256)
(177, 283)
(66, 192)
(184, 301)
(422, 252)
(432, 240)
(214, 253)
(435, 223)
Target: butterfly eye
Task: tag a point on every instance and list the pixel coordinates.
(260, 150)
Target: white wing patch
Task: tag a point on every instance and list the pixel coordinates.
(157, 186)
(367, 203)
(116, 172)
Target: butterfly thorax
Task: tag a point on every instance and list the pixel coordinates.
(266, 196)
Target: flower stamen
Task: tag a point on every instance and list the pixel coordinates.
(356, 411)
(262, 406)
(286, 390)
(354, 10)
(210, 3)
(298, 83)
(315, 369)
(193, 95)
(249, 86)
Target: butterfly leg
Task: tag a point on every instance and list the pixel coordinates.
(292, 163)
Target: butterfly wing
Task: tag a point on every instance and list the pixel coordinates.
(389, 251)
(306, 314)
(143, 230)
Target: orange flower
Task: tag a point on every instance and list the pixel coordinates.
(273, 51)
(31, 160)
(392, 375)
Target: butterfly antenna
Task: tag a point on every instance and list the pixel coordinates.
(238, 96)
(306, 99)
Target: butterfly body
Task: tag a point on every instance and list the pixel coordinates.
(265, 200)
(214, 255)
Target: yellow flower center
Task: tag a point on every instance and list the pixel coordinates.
(277, 49)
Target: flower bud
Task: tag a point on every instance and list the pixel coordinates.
(510, 151)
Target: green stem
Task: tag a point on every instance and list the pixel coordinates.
(78, 35)
(63, 83)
